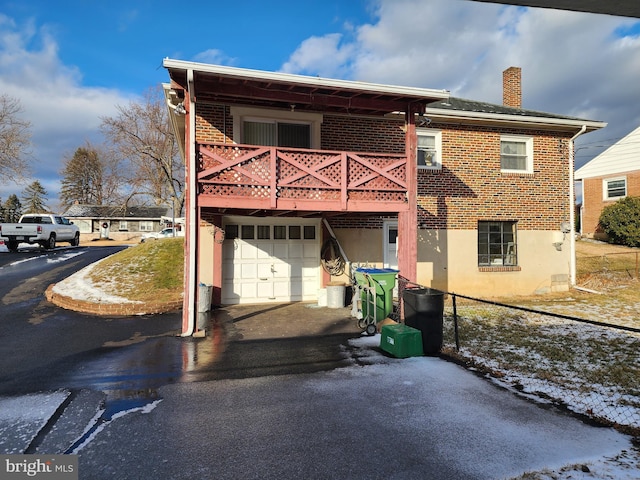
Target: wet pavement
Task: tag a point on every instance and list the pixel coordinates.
(240, 342)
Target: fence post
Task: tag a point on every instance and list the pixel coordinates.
(455, 322)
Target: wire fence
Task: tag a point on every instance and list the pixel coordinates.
(588, 367)
(625, 264)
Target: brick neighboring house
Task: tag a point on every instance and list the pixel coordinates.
(460, 195)
(117, 222)
(612, 175)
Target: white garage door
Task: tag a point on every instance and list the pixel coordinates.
(270, 260)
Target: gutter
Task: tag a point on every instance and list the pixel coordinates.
(191, 247)
(572, 209)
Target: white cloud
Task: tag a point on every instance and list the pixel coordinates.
(572, 63)
(63, 113)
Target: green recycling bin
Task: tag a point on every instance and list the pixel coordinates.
(383, 281)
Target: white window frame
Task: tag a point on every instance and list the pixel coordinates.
(146, 225)
(123, 225)
(605, 188)
(242, 114)
(528, 141)
(437, 134)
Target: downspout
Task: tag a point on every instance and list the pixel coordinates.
(193, 219)
(572, 210)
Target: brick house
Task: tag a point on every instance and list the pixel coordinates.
(459, 195)
(612, 175)
(117, 222)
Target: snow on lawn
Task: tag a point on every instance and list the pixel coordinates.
(624, 465)
(79, 286)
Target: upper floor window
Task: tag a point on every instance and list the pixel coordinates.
(516, 154)
(497, 244)
(278, 128)
(429, 148)
(614, 188)
(274, 133)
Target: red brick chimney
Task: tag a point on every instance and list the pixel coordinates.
(512, 87)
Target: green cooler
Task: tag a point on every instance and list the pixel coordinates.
(401, 341)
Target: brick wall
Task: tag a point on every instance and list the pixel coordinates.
(470, 186)
(213, 123)
(593, 202)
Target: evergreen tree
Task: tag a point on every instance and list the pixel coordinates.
(12, 209)
(82, 179)
(34, 198)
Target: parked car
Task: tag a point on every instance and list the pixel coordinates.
(166, 233)
(44, 229)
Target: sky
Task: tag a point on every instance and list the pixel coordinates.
(73, 63)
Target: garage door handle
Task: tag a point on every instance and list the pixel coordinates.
(264, 279)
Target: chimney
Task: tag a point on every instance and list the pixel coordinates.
(512, 87)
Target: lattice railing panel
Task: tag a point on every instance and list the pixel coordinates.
(252, 172)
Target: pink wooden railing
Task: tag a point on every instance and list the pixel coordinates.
(249, 176)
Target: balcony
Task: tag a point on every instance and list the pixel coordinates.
(233, 176)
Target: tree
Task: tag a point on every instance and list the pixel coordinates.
(15, 139)
(621, 221)
(143, 136)
(82, 178)
(12, 209)
(34, 198)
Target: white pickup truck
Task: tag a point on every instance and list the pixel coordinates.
(43, 228)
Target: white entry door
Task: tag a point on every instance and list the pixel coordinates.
(270, 260)
(390, 244)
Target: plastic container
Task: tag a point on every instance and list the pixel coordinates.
(204, 297)
(424, 310)
(335, 294)
(383, 281)
(401, 341)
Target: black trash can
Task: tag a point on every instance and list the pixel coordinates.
(424, 310)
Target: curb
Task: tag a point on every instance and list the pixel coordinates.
(110, 309)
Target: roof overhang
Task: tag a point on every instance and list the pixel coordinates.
(239, 86)
(623, 8)
(502, 120)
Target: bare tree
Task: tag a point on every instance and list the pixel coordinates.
(15, 139)
(142, 135)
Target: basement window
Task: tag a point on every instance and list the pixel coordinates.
(497, 244)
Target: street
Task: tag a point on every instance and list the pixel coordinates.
(272, 392)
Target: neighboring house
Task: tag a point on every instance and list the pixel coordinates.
(462, 196)
(118, 222)
(612, 175)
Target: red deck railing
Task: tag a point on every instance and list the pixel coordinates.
(262, 177)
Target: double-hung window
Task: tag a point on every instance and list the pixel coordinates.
(516, 154)
(497, 244)
(614, 188)
(429, 149)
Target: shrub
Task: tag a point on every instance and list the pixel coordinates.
(621, 221)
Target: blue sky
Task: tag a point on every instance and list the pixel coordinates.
(71, 63)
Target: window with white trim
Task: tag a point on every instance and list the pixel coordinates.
(497, 244)
(123, 225)
(275, 133)
(614, 188)
(146, 226)
(516, 154)
(429, 144)
(281, 128)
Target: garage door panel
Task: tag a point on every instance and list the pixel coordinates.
(270, 270)
(295, 251)
(248, 271)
